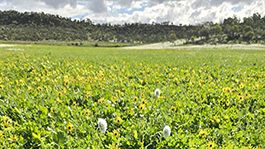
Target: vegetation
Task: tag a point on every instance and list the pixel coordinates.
(70, 97)
(30, 26)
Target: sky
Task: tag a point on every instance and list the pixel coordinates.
(144, 11)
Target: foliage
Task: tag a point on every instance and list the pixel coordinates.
(53, 96)
(31, 26)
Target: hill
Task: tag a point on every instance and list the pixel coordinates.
(32, 26)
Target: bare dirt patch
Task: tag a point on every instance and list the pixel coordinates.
(6, 45)
(179, 45)
(10, 47)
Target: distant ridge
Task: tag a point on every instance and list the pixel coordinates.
(32, 26)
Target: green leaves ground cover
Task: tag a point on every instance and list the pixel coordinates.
(54, 96)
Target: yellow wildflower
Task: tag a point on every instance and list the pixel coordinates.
(173, 109)
(142, 107)
(116, 133)
(101, 100)
(69, 127)
(203, 133)
(135, 99)
(211, 145)
(118, 120)
(227, 90)
(114, 146)
(131, 112)
(86, 112)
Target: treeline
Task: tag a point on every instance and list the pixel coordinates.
(32, 26)
(233, 30)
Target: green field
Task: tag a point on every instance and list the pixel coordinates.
(53, 96)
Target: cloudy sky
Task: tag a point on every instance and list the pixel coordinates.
(145, 11)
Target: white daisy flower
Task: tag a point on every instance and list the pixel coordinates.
(157, 92)
(166, 131)
(102, 125)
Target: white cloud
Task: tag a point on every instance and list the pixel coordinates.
(146, 11)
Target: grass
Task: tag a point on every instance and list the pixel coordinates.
(53, 96)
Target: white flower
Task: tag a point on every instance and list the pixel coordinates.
(157, 92)
(109, 102)
(102, 125)
(166, 131)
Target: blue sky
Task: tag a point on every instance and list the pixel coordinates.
(145, 11)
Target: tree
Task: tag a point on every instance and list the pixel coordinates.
(216, 29)
(34, 26)
(172, 37)
(205, 32)
(248, 36)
